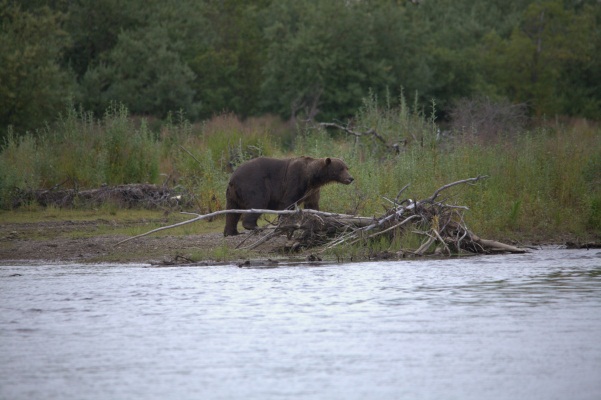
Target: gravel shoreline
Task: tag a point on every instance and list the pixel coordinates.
(54, 241)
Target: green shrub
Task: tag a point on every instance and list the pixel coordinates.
(130, 154)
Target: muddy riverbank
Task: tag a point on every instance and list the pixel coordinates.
(75, 241)
(61, 237)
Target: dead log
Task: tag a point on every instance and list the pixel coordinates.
(497, 247)
(438, 223)
(128, 196)
(200, 217)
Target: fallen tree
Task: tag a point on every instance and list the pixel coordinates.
(440, 228)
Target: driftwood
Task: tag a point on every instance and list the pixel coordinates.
(440, 227)
(200, 217)
(132, 195)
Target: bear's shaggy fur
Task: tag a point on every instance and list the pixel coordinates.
(278, 184)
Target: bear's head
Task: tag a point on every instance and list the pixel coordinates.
(335, 170)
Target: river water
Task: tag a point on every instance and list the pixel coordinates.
(494, 327)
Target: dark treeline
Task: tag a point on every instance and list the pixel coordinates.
(295, 58)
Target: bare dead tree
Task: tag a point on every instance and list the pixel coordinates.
(308, 103)
(394, 147)
(480, 117)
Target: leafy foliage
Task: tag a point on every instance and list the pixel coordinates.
(228, 66)
(319, 60)
(306, 59)
(144, 71)
(33, 87)
(529, 64)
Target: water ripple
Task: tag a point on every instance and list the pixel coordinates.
(523, 326)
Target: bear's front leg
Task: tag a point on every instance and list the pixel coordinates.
(312, 201)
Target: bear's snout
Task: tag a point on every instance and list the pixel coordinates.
(348, 180)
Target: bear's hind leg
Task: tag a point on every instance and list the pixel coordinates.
(259, 200)
(231, 220)
(249, 221)
(231, 225)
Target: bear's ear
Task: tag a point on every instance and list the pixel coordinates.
(328, 161)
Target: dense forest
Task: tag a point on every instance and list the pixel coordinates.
(311, 59)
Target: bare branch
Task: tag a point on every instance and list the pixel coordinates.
(250, 211)
(191, 155)
(400, 192)
(371, 132)
(470, 180)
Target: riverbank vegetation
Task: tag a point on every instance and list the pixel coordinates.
(97, 94)
(543, 181)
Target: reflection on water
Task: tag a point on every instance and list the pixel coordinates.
(499, 327)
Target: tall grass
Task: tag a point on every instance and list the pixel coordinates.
(203, 157)
(542, 184)
(82, 152)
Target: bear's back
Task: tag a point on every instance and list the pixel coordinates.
(260, 168)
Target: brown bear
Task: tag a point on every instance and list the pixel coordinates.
(278, 184)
